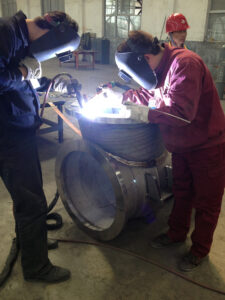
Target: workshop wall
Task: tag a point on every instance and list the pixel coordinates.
(90, 15)
(31, 8)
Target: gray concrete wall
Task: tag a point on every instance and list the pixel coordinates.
(213, 55)
(88, 13)
(31, 9)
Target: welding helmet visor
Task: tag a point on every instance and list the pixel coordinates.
(134, 65)
(59, 41)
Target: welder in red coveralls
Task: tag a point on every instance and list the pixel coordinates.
(177, 92)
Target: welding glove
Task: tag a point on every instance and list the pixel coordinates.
(33, 67)
(137, 112)
(69, 86)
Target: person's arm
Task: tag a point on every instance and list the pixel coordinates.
(9, 75)
(183, 96)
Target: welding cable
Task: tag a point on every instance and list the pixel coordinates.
(49, 88)
(55, 216)
(79, 98)
(173, 116)
(149, 261)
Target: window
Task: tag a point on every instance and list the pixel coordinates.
(51, 5)
(121, 16)
(9, 8)
(216, 21)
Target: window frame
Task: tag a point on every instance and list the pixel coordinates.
(211, 12)
(116, 15)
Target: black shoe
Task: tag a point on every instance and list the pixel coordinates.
(162, 241)
(54, 275)
(190, 262)
(52, 244)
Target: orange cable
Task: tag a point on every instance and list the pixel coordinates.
(70, 124)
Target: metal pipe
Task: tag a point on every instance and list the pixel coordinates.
(101, 194)
(118, 171)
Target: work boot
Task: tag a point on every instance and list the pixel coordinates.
(53, 275)
(162, 241)
(190, 262)
(52, 244)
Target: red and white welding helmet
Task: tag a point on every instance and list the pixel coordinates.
(176, 22)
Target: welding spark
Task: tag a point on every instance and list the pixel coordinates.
(103, 105)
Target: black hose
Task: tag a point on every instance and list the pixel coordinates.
(54, 201)
(58, 221)
(54, 216)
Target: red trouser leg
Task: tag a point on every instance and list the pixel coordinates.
(179, 220)
(208, 169)
(207, 174)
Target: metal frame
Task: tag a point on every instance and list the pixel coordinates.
(54, 126)
(217, 11)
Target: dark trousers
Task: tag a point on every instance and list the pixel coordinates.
(21, 173)
(199, 180)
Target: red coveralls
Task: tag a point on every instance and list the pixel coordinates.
(186, 89)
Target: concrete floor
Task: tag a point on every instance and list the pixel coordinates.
(99, 273)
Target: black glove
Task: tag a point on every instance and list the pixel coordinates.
(70, 86)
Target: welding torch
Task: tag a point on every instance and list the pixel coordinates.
(112, 84)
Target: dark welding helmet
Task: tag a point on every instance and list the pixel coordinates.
(60, 41)
(133, 65)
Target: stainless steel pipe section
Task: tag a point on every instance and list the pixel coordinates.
(122, 137)
(101, 194)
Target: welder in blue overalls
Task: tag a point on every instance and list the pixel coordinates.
(24, 43)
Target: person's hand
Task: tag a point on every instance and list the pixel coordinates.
(69, 86)
(33, 68)
(137, 112)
